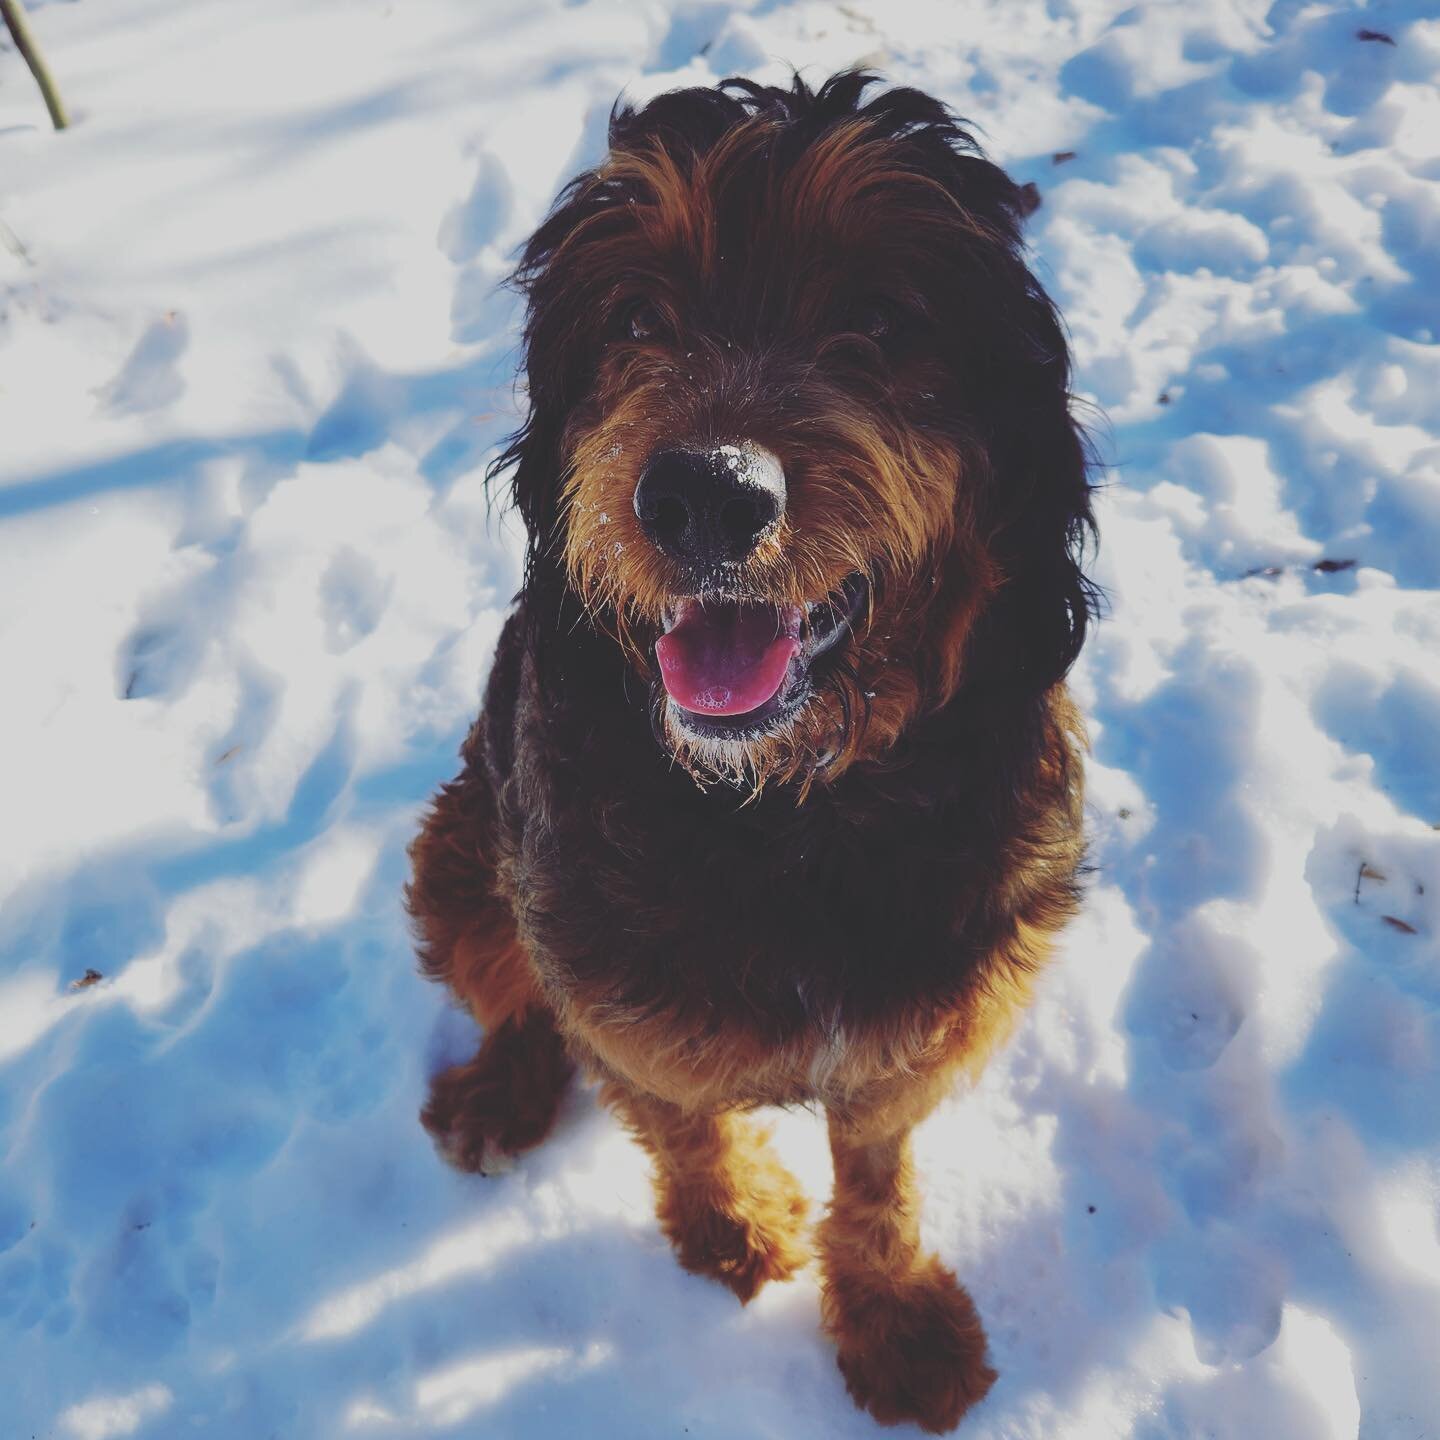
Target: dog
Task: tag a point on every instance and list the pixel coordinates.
(775, 796)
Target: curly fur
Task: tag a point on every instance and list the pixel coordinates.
(850, 910)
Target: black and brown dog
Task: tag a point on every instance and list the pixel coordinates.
(776, 795)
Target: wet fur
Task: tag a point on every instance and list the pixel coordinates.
(850, 912)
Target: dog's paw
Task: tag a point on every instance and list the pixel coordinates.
(485, 1112)
(744, 1235)
(910, 1349)
(473, 1123)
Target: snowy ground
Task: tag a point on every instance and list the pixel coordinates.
(251, 361)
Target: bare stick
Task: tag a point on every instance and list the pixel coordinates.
(13, 13)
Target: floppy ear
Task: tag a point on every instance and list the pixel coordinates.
(531, 457)
(559, 352)
(1016, 367)
(1040, 462)
(1010, 350)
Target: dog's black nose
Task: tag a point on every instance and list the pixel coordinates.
(710, 507)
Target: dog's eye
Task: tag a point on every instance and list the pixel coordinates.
(645, 322)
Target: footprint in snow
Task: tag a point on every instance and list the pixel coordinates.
(155, 660)
(150, 376)
(35, 1283)
(474, 223)
(1193, 1003)
(353, 597)
(133, 1299)
(1193, 1034)
(481, 308)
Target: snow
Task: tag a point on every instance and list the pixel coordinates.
(252, 360)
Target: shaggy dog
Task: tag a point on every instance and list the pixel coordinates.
(775, 798)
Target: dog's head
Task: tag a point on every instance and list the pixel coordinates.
(799, 435)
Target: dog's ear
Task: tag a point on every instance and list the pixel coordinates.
(1040, 466)
(559, 352)
(1009, 349)
(1012, 352)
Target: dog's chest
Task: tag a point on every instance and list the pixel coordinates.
(797, 924)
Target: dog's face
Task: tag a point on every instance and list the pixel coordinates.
(792, 392)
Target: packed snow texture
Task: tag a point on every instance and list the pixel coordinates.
(253, 358)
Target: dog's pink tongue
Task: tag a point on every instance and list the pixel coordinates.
(725, 659)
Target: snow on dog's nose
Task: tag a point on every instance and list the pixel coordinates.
(708, 508)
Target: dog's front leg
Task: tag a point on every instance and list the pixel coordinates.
(727, 1205)
(911, 1345)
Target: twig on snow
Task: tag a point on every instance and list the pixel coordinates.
(16, 22)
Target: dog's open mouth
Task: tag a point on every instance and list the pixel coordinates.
(734, 669)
